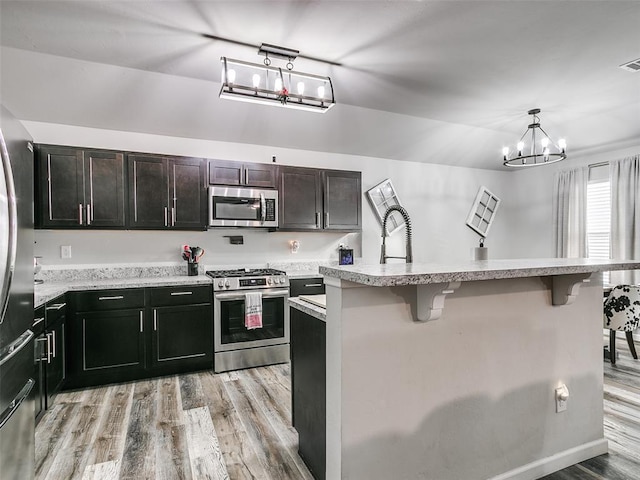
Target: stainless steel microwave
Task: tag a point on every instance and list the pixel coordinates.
(242, 207)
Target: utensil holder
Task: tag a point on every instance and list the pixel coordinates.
(192, 269)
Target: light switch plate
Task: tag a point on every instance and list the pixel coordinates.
(65, 251)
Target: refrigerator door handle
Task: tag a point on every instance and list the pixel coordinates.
(10, 259)
(13, 348)
(16, 402)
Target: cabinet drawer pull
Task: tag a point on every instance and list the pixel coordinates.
(175, 294)
(141, 322)
(56, 306)
(166, 216)
(116, 297)
(37, 321)
(313, 284)
(155, 320)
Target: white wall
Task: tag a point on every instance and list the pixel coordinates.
(437, 197)
(529, 211)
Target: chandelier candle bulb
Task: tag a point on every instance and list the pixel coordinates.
(300, 88)
(256, 80)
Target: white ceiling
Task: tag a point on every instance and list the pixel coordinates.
(433, 81)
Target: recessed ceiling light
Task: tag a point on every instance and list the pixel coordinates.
(633, 66)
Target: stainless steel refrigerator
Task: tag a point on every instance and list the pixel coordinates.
(16, 301)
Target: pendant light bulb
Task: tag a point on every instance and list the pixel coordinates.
(520, 147)
(256, 80)
(300, 88)
(231, 75)
(562, 144)
(277, 86)
(321, 91)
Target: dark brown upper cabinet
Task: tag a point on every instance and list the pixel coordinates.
(227, 172)
(79, 188)
(167, 192)
(314, 199)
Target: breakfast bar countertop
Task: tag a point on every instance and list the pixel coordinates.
(395, 274)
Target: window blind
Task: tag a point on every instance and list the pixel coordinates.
(599, 221)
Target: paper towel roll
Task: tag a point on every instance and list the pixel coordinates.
(480, 253)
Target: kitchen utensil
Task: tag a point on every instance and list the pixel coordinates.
(197, 253)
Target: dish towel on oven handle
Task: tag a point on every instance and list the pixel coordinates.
(253, 310)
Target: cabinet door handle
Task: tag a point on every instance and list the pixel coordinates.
(53, 341)
(326, 219)
(37, 321)
(166, 214)
(317, 219)
(115, 297)
(141, 325)
(155, 320)
(173, 216)
(88, 214)
(48, 347)
(175, 294)
(246, 176)
(313, 284)
(80, 213)
(57, 306)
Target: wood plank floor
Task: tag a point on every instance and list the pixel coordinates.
(237, 426)
(194, 426)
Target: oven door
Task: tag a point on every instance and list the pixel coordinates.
(228, 320)
(242, 207)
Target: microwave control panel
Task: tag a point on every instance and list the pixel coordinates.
(270, 210)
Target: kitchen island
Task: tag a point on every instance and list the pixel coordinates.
(450, 371)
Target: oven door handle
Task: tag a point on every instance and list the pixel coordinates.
(241, 296)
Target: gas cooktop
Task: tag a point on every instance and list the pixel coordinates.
(245, 272)
(246, 278)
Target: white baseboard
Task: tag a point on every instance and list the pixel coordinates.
(548, 465)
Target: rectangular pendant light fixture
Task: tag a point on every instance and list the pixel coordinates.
(269, 85)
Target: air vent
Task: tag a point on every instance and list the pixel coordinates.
(633, 66)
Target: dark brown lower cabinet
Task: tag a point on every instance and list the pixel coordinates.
(55, 353)
(182, 338)
(112, 340)
(128, 334)
(308, 389)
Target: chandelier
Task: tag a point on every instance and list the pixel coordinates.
(535, 147)
(269, 85)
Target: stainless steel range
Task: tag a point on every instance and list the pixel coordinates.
(235, 346)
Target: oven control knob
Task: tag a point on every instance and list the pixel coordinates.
(220, 284)
(227, 284)
(269, 281)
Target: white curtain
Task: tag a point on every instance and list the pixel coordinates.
(570, 212)
(625, 216)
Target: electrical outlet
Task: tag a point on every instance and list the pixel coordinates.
(562, 395)
(65, 251)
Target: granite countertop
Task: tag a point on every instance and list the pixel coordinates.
(393, 274)
(59, 280)
(308, 308)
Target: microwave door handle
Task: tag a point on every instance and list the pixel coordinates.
(263, 209)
